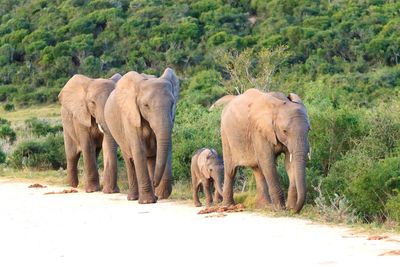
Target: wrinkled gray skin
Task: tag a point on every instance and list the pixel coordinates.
(207, 168)
(255, 128)
(140, 114)
(85, 131)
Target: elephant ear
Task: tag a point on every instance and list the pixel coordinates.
(263, 114)
(170, 75)
(116, 77)
(295, 98)
(72, 98)
(127, 95)
(202, 162)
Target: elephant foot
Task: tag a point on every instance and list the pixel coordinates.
(209, 204)
(132, 196)
(227, 203)
(197, 204)
(218, 199)
(92, 188)
(291, 204)
(163, 190)
(109, 190)
(73, 183)
(278, 207)
(147, 199)
(262, 203)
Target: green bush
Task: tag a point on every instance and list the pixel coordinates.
(9, 107)
(369, 193)
(42, 154)
(2, 156)
(204, 88)
(194, 128)
(6, 132)
(392, 207)
(7, 92)
(41, 127)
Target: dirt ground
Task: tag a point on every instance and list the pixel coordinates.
(38, 229)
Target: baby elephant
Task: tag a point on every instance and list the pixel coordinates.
(207, 167)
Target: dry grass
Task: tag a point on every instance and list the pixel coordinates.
(20, 115)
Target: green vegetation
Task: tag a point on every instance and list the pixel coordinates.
(341, 57)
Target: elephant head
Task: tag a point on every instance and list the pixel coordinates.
(212, 167)
(85, 98)
(283, 120)
(151, 101)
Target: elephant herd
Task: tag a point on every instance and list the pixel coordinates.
(136, 112)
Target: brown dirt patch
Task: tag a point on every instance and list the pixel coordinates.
(65, 191)
(377, 237)
(219, 209)
(37, 186)
(391, 253)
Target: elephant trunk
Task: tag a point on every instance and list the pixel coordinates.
(163, 138)
(299, 170)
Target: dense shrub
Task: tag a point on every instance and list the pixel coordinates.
(392, 207)
(368, 174)
(6, 132)
(369, 192)
(41, 127)
(9, 107)
(194, 128)
(45, 153)
(204, 88)
(2, 156)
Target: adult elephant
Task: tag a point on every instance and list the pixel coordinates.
(85, 131)
(140, 113)
(256, 127)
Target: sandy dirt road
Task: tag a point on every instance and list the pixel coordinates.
(82, 229)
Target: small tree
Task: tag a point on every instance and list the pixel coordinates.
(252, 69)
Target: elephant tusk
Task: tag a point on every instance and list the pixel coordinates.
(309, 154)
(101, 129)
(290, 157)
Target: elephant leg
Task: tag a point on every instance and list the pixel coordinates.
(207, 191)
(267, 164)
(229, 178)
(133, 189)
(195, 189)
(164, 189)
(72, 156)
(274, 188)
(292, 191)
(110, 165)
(229, 173)
(217, 196)
(146, 192)
(262, 199)
(90, 165)
(151, 163)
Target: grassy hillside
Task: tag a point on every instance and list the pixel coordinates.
(342, 59)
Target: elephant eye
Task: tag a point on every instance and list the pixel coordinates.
(285, 131)
(146, 105)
